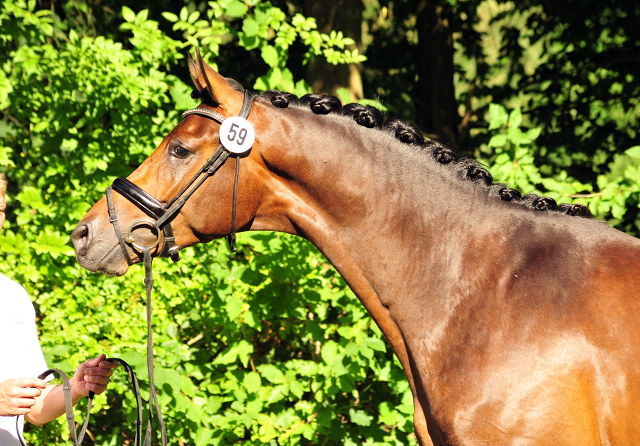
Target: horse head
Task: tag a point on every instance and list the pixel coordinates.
(140, 201)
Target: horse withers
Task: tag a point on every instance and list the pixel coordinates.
(515, 319)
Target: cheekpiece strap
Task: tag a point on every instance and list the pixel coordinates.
(113, 218)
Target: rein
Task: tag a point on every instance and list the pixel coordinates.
(78, 438)
(239, 136)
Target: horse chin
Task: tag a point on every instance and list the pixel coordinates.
(114, 270)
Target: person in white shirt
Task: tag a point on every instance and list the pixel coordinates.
(21, 361)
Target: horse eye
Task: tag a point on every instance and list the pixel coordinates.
(180, 152)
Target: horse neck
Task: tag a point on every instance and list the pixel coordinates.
(383, 213)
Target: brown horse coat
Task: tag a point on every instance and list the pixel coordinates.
(513, 326)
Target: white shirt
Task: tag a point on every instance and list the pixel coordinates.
(20, 352)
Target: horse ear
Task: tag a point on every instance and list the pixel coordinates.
(193, 71)
(220, 91)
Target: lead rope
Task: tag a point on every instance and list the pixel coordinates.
(153, 397)
(68, 407)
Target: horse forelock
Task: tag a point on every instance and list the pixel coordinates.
(466, 169)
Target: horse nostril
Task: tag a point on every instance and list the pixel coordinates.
(80, 237)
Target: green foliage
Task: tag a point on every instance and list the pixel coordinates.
(512, 161)
(265, 347)
(270, 346)
(264, 27)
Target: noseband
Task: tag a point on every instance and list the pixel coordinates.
(164, 214)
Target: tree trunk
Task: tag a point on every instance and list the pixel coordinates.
(340, 15)
(436, 107)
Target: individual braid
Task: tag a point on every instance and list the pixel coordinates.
(540, 203)
(441, 151)
(406, 132)
(508, 194)
(280, 99)
(364, 115)
(321, 104)
(576, 210)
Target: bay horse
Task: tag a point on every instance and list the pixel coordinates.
(514, 319)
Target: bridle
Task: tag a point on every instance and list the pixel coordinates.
(164, 214)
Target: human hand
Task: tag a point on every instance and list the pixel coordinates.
(17, 396)
(92, 376)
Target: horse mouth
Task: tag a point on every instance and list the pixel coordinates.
(94, 256)
(111, 263)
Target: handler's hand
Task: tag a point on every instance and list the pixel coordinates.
(17, 396)
(92, 375)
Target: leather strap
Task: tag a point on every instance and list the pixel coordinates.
(153, 397)
(113, 218)
(68, 407)
(205, 111)
(231, 238)
(145, 202)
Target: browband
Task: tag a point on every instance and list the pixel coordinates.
(206, 112)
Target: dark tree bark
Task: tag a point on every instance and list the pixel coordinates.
(437, 110)
(340, 15)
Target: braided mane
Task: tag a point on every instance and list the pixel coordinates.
(466, 168)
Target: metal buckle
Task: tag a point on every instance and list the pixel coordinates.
(130, 240)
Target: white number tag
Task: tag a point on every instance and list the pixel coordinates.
(237, 134)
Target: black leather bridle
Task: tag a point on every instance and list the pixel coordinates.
(164, 214)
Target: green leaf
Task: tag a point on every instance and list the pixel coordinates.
(376, 344)
(170, 16)
(73, 36)
(633, 152)
(271, 373)
(515, 118)
(329, 352)
(388, 415)
(497, 116)
(250, 27)
(499, 140)
(373, 103)
(344, 95)
(515, 135)
(251, 382)
(360, 417)
(270, 56)
(128, 14)
(203, 436)
(234, 308)
(236, 8)
(193, 17)
(244, 352)
(181, 94)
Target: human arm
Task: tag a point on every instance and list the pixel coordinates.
(92, 375)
